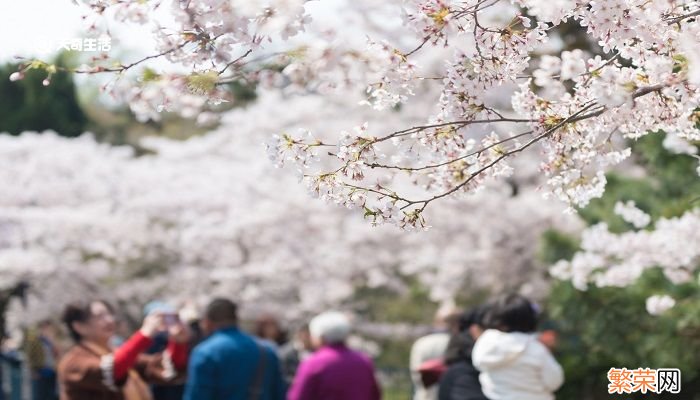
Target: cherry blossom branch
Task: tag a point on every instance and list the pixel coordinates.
(457, 15)
(571, 119)
(501, 157)
(391, 195)
(682, 17)
(235, 61)
(123, 68)
(385, 166)
(588, 110)
(459, 124)
(420, 46)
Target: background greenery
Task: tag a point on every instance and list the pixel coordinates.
(28, 105)
(609, 327)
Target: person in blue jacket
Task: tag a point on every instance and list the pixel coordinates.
(230, 364)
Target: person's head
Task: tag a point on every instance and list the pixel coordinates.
(220, 313)
(91, 321)
(472, 321)
(471, 325)
(189, 313)
(268, 327)
(447, 318)
(303, 336)
(329, 328)
(512, 313)
(46, 327)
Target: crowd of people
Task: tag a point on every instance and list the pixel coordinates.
(489, 352)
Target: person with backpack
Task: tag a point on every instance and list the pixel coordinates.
(230, 364)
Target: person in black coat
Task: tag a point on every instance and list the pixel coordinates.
(461, 380)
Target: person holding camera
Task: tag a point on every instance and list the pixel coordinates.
(92, 370)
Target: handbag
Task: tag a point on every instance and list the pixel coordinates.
(431, 371)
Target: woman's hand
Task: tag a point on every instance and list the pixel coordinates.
(152, 324)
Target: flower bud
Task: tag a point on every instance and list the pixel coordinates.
(16, 76)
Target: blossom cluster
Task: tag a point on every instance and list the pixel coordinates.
(658, 304)
(611, 259)
(631, 214)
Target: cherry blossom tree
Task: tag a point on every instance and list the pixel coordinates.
(210, 216)
(497, 76)
(436, 102)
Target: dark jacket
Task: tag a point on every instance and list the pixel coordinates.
(461, 380)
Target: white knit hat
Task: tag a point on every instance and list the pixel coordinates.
(331, 327)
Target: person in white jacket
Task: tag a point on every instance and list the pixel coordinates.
(514, 364)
